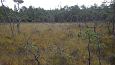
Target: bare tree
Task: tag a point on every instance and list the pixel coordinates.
(18, 2)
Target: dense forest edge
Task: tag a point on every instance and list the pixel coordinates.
(66, 14)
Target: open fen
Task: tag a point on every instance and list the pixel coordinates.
(56, 44)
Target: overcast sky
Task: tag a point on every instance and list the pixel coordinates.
(52, 4)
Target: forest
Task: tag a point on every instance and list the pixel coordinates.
(66, 14)
(69, 35)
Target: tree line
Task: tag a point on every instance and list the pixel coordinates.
(66, 14)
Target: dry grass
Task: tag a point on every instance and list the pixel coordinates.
(48, 37)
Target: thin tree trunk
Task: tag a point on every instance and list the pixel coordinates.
(99, 58)
(18, 23)
(113, 27)
(89, 52)
(18, 27)
(108, 27)
(113, 20)
(99, 51)
(95, 25)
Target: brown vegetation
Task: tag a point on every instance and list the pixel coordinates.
(53, 44)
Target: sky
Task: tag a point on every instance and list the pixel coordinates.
(52, 4)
